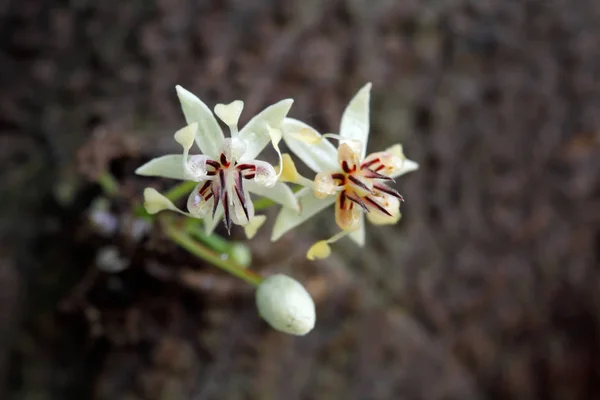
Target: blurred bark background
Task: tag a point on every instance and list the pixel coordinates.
(487, 289)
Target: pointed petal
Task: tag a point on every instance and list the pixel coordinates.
(255, 133)
(155, 202)
(169, 166)
(408, 166)
(319, 156)
(355, 120)
(254, 225)
(209, 135)
(289, 219)
(280, 193)
(358, 236)
(242, 210)
(210, 222)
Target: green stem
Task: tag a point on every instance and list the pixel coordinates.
(185, 241)
(263, 203)
(214, 241)
(183, 189)
(108, 183)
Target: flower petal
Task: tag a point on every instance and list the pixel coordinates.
(251, 229)
(320, 155)
(211, 223)
(279, 193)
(309, 205)
(230, 113)
(355, 120)
(155, 202)
(169, 166)
(255, 133)
(408, 166)
(358, 236)
(348, 216)
(209, 135)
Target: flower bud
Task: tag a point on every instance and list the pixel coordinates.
(286, 305)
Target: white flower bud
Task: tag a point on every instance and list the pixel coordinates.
(286, 305)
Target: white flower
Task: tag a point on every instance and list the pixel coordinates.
(226, 169)
(286, 305)
(346, 176)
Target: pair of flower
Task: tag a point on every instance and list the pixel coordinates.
(226, 170)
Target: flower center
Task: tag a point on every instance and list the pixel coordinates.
(360, 186)
(222, 182)
(225, 185)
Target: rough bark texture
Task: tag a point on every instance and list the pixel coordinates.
(488, 288)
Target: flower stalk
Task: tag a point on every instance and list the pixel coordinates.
(181, 238)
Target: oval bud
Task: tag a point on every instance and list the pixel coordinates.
(286, 305)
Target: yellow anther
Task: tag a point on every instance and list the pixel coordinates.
(319, 251)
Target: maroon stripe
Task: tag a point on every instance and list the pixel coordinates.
(359, 183)
(378, 206)
(358, 201)
(389, 190)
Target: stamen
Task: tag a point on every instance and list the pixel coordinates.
(378, 206)
(217, 193)
(389, 190)
(370, 174)
(239, 190)
(227, 211)
(358, 201)
(359, 183)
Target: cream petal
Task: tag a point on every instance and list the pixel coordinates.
(209, 135)
(279, 193)
(318, 155)
(169, 166)
(408, 166)
(211, 223)
(230, 113)
(355, 120)
(309, 205)
(185, 136)
(196, 204)
(358, 236)
(255, 133)
(251, 229)
(155, 202)
(238, 215)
